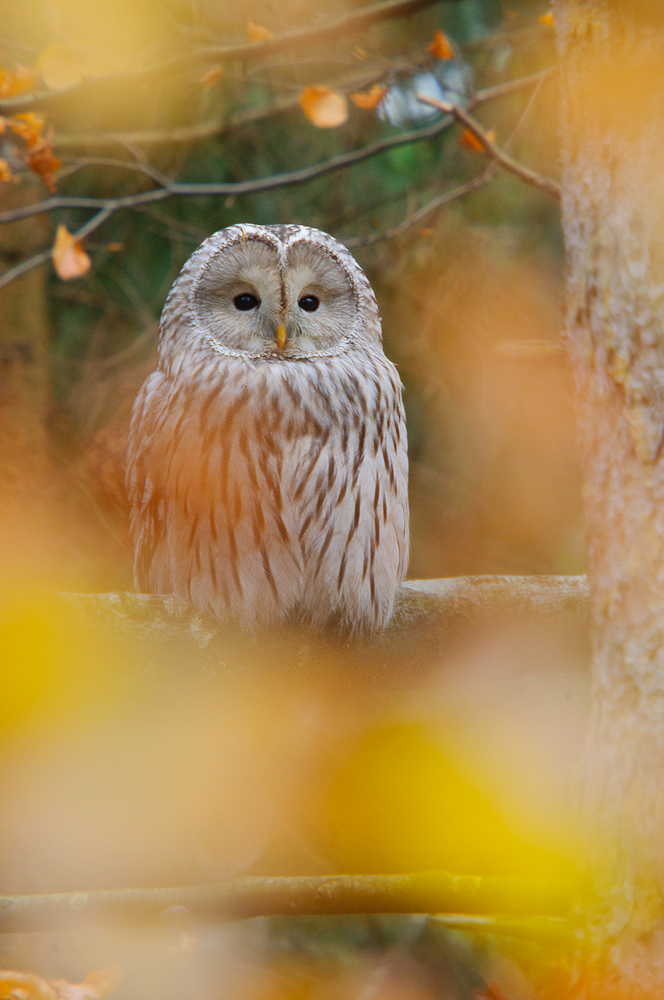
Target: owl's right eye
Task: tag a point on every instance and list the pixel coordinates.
(246, 301)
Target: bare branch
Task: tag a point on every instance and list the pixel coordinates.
(232, 188)
(107, 207)
(253, 896)
(355, 21)
(431, 206)
(216, 126)
(236, 188)
(45, 255)
(107, 161)
(524, 173)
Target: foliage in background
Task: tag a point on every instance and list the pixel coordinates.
(494, 481)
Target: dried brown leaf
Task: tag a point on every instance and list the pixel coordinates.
(257, 33)
(69, 258)
(440, 47)
(325, 107)
(210, 78)
(17, 80)
(369, 99)
(470, 141)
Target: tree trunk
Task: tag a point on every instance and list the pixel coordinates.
(612, 56)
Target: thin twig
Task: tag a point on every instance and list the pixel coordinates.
(108, 207)
(107, 161)
(355, 21)
(45, 255)
(216, 126)
(431, 206)
(236, 188)
(252, 896)
(491, 149)
(231, 188)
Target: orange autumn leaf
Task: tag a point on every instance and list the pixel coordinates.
(547, 19)
(43, 162)
(359, 53)
(257, 33)
(17, 80)
(470, 141)
(26, 986)
(60, 67)
(210, 78)
(369, 99)
(69, 258)
(440, 47)
(5, 172)
(325, 107)
(28, 126)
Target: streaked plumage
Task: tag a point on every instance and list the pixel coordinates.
(269, 483)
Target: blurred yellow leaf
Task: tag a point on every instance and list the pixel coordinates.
(29, 126)
(211, 77)
(69, 258)
(60, 67)
(470, 141)
(369, 99)
(17, 80)
(359, 53)
(440, 47)
(325, 107)
(5, 172)
(257, 33)
(25, 986)
(95, 985)
(547, 19)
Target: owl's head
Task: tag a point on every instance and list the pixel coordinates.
(270, 292)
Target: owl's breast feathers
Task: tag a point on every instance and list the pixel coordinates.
(265, 492)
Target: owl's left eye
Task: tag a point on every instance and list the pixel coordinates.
(309, 303)
(246, 301)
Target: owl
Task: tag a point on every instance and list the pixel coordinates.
(267, 465)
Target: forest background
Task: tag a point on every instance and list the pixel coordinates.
(470, 770)
(470, 294)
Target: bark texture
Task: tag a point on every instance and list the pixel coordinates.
(612, 57)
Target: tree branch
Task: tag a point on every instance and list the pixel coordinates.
(431, 206)
(524, 173)
(253, 896)
(236, 188)
(108, 207)
(429, 617)
(356, 21)
(215, 126)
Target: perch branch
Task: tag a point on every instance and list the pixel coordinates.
(252, 896)
(491, 149)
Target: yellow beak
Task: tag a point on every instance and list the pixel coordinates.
(281, 336)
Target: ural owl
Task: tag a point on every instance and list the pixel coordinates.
(267, 464)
